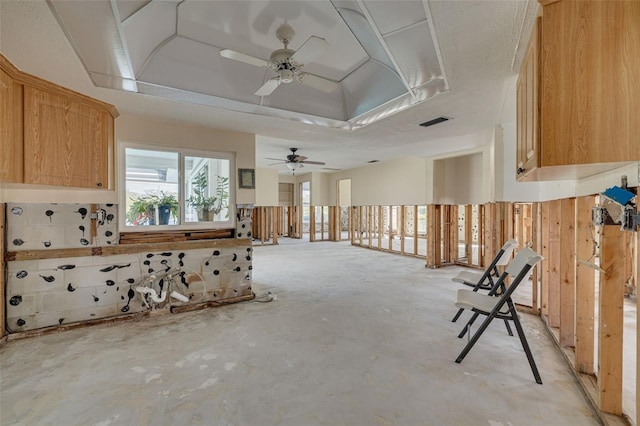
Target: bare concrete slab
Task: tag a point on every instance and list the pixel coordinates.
(354, 337)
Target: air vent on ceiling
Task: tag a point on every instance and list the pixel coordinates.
(373, 161)
(434, 121)
(330, 168)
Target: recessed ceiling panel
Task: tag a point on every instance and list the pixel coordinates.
(94, 33)
(389, 17)
(371, 86)
(197, 67)
(361, 28)
(415, 54)
(145, 30)
(126, 8)
(300, 98)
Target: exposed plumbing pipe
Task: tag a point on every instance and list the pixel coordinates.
(179, 296)
(152, 294)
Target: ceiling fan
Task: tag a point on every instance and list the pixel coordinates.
(295, 161)
(287, 63)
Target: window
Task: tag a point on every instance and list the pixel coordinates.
(176, 188)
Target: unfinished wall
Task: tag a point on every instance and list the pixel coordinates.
(59, 274)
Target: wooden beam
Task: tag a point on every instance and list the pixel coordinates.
(535, 243)
(567, 272)
(480, 213)
(380, 227)
(415, 230)
(433, 235)
(401, 225)
(544, 267)
(453, 233)
(468, 232)
(390, 230)
(610, 319)
(276, 215)
(489, 233)
(554, 263)
(312, 223)
(585, 286)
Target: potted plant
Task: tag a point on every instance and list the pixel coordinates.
(142, 210)
(207, 206)
(167, 206)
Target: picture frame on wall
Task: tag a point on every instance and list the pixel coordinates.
(246, 178)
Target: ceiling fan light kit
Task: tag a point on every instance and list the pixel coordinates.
(288, 63)
(294, 161)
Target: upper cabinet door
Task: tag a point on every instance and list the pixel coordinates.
(10, 129)
(590, 97)
(66, 142)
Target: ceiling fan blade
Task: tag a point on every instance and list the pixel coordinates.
(268, 87)
(241, 57)
(274, 159)
(275, 164)
(317, 163)
(317, 82)
(310, 50)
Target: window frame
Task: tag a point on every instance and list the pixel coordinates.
(182, 153)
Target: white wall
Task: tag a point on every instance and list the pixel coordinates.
(266, 187)
(459, 180)
(397, 182)
(345, 193)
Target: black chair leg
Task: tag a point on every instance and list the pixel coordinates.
(455, 318)
(469, 323)
(506, 324)
(525, 344)
(475, 337)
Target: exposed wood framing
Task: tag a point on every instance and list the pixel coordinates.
(468, 233)
(544, 265)
(380, 226)
(585, 286)
(401, 227)
(312, 223)
(535, 244)
(275, 218)
(553, 285)
(490, 228)
(434, 235)
(567, 271)
(390, 227)
(611, 316)
(481, 214)
(415, 230)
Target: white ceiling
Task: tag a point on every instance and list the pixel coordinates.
(479, 42)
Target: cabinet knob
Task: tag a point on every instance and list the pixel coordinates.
(520, 170)
(99, 184)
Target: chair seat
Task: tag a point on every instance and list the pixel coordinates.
(467, 277)
(468, 299)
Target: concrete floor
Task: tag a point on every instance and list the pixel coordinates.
(354, 337)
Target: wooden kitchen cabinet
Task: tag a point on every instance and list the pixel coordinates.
(588, 99)
(52, 135)
(66, 142)
(528, 130)
(10, 129)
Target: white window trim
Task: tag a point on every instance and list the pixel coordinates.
(182, 152)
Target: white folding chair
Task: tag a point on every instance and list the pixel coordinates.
(485, 280)
(499, 306)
